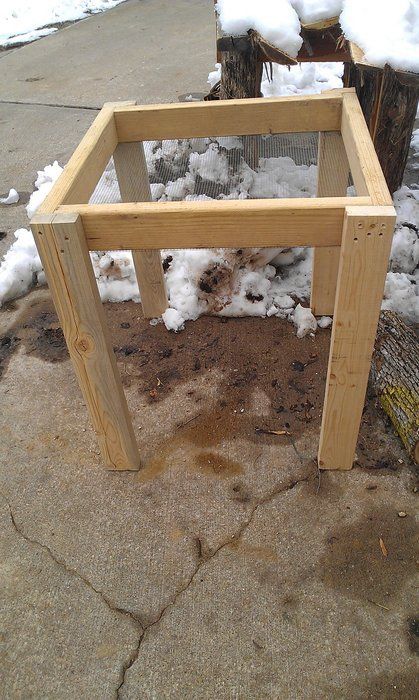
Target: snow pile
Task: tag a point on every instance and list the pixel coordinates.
(310, 11)
(324, 322)
(43, 184)
(21, 267)
(305, 78)
(173, 320)
(115, 275)
(24, 20)
(401, 291)
(304, 320)
(276, 20)
(387, 31)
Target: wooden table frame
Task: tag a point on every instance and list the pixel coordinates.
(351, 236)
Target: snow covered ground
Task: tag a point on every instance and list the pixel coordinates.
(22, 21)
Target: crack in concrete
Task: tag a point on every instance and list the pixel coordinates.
(62, 564)
(109, 603)
(132, 658)
(201, 562)
(48, 104)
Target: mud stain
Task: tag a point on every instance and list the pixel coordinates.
(355, 564)
(386, 686)
(212, 463)
(413, 634)
(206, 463)
(38, 330)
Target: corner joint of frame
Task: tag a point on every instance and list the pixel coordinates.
(65, 217)
(382, 211)
(117, 106)
(40, 219)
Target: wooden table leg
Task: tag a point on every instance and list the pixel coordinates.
(134, 186)
(332, 181)
(366, 243)
(63, 250)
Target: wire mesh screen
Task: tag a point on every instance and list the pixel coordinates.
(230, 167)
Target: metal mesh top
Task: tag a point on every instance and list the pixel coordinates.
(233, 167)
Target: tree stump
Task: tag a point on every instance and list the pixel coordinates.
(241, 77)
(241, 71)
(389, 101)
(395, 377)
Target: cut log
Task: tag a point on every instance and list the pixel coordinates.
(389, 101)
(241, 72)
(394, 126)
(395, 377)
(241, 76)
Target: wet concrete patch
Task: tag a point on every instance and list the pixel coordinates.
(413, 634)
(385, 686)
(371, 559)
(212, 463)
(38, 330)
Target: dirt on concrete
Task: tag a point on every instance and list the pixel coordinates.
(249, 353)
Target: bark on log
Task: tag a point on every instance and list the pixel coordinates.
(395, 377)
(241, 72)
(389, 103)
(241, 76)
(395, 123)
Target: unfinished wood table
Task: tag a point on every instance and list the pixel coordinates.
(351, 234)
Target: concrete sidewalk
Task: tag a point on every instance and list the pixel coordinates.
(223, 569)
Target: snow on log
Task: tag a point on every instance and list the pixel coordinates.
(395, 377)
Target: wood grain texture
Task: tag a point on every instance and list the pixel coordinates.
(366, 243)
(66, 260)
(134, 186)
(82, 172)
(215, 224)
(230, 117)
(365, 167)
(332, 181)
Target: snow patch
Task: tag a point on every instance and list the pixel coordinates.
(20, 268)
(11, 198)
(43, 184)
(304, 320)
(387, 31)
(324, 322)
(23, 20)
(173, 320)
(276, 20)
